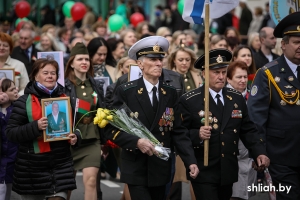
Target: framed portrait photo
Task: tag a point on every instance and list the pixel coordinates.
(8, 73)
(58, 56)
(104, 80)
(134, 72)
(58, 113)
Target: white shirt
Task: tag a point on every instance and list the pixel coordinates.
(270, 57)
(292, 66)
(149, 88)
(214, 94)
(55, 117)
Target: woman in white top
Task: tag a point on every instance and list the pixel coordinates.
(21, 75)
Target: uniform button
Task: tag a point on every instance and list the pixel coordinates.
(84, 94)
(185, 80)
(188, 87)
(162, 144)
(234, 130)
(222, 133)
(162, 133)
(223, 143)
(223, 155)
(233, 153)
(82, 87)
(234, 142)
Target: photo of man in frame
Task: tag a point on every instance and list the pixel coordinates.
(56, 120)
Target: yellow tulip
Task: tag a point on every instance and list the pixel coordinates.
(109, 117)
(107, 111)
(102, 115)
(103, 123)
(96, 119)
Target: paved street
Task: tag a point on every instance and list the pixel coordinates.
(112, 190)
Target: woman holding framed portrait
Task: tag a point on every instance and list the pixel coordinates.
(43, 170)
(81, 86)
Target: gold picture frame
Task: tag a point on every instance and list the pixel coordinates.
(8, 73)
(58, 113)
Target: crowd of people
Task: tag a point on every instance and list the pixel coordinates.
(254, 96)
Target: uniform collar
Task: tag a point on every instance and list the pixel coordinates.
(291, 65)
(80, 82)
(149, 85)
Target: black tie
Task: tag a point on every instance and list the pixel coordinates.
(220, 104)
(298, 73)
(154, 99)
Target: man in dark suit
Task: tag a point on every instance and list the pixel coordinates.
(228, 120)
(274, 106)
(56, 120)
(154, 101)
(26, 51)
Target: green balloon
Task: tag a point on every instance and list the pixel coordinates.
(115, 22)
(180, 6)
(20, 19)
(66, 9)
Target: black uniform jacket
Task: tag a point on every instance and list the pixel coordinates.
(227, 129)
(139, 168)
(276, 111)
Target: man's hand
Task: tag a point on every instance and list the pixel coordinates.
(146, 146)
(204, 132)
(255, 167)
(263, 161)
(194, 171)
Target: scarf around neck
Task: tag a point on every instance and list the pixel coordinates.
(42, 87)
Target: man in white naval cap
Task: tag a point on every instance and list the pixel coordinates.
(154, 102)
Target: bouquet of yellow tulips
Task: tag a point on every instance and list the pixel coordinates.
(128, 122)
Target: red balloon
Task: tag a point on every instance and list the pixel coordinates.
(22, 9)
(78, 11)
(136, 18)
(19, 26)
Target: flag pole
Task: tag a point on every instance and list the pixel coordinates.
(206, 85)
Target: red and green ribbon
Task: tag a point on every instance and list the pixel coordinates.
(34, 112)
(95, 97)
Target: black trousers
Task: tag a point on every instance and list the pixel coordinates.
(283, 177)
(211, 191)
(138, 192)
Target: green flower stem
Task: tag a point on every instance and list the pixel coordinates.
(83, 116)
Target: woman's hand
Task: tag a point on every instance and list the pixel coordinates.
(73, 138)
(43, 123)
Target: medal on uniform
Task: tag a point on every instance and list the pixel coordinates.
(201, 113)
(161, 128)
(283, 103)
(215, 120)
(288, 86)
(210, 119)
(202, 120)
(298, 103)
(277, 79)
(215, 126)
(235, 105)
(291, 78)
